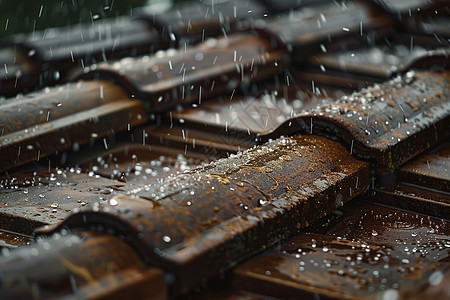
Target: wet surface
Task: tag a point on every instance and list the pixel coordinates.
(372, 252)
(10, 239)
(110, 259)
(131, 203)
(228, 206)
(62, 118)
(422, 184)
(417, 199)
(207, 143)
(252, 115)
(430, 170)
(47, 196)
(308, 29)
(175, 77)
(386, 58)
(50, 197)
(88, 42)
(388, 123)
(141, 165)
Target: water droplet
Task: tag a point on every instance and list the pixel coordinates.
(436, 278)
(389, 294)
(113, 202)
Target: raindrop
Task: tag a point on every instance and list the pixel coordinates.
(390, 294)
(436, 278)
(199, 56)
(262, 202)
(113, 202)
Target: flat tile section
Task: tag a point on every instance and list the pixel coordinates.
(139, 165)
(374, 252)
(29, 200)
(252, 115)
(207, 220)
(417, 199)
(206, 144)
(35, 195)
(430, 170)
(388, 123)
(423, 184)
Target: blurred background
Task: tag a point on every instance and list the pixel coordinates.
(21, 16)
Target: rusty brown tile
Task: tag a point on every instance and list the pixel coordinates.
(87, 42)
(416, 198)
(58, 52)
(383, 60)
(206, 143)
(373, 252)
(9, 239)
(210, 218)
(309, 30)
(388, 123)
(36, 195)
(78, 265)
(430, 170)
(137, 164)
(175, 77)
(421, 185)
(30, 200)
(56, 119)
(131, 283)
(253, 114)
